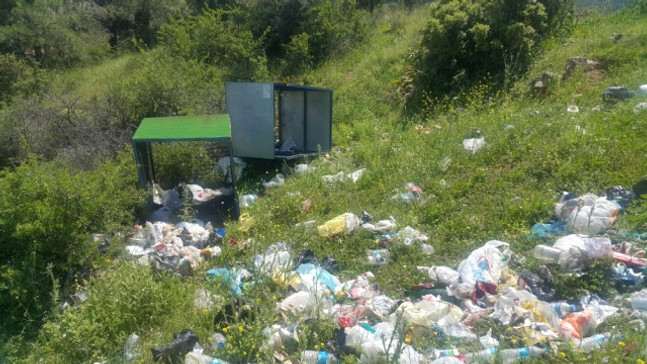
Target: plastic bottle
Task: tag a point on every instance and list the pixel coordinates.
(547, 253)
(317, 357)
(483, 356)
(218, 340)
(512, 355)
(592, 342)
(562, 309)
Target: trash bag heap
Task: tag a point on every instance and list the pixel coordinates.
(372, 326)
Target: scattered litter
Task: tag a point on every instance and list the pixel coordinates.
(640, 107)
(223, 167)
(413, 194)
(409, 235)
(643, 89)
(427, 249)
(235, 278)
(474, 144)
(378, 257)
(276, 181)
(131, 347)
(342, 224)
(175, 351)
(303, 168)
(588, 214)
(380, 226)
(617, 93)
(341, 176)
(573, 108)
(247, 200)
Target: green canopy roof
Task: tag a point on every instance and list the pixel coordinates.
(176, 128)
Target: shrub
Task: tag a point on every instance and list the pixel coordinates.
(298, 34)
(217, 38)
(469, 42)
(49, 211)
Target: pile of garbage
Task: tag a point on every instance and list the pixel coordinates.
(373, 326)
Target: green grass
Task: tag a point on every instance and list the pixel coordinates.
(496, 193)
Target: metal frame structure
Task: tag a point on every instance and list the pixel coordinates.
(213, 128)
(265, 116)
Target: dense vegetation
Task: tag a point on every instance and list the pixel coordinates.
(77, 77)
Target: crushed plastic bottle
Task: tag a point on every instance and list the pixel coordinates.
(378, 257)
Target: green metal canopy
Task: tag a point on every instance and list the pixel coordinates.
(213, 128)
(178, 128)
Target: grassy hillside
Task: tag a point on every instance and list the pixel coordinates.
(534, 150)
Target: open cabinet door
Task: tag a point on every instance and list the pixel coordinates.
(251, 109)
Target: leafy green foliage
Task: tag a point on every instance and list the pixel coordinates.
(48, 212)
(311, 30)
(217, 37)
(469, 42)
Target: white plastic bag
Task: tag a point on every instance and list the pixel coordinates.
(485, 263)
(474, 144)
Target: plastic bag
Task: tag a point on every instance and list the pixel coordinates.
(277, 257)
(485, 263)
(223, 168)
(409, 235)
(441, 274)
(276, 181)
(344, 223)
(544, 290)
(176, 350)
(474, 144)
(131, 347)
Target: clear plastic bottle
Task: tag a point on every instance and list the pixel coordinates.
(547, 253)
(592, 342)
(218, 340)
(483, 356)
(317, 357)
(513, 355)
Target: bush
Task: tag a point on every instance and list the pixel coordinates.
(298, 34)
(469, 42)
(217, 38)
(49, 211)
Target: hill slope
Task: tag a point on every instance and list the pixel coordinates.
(534, 150)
